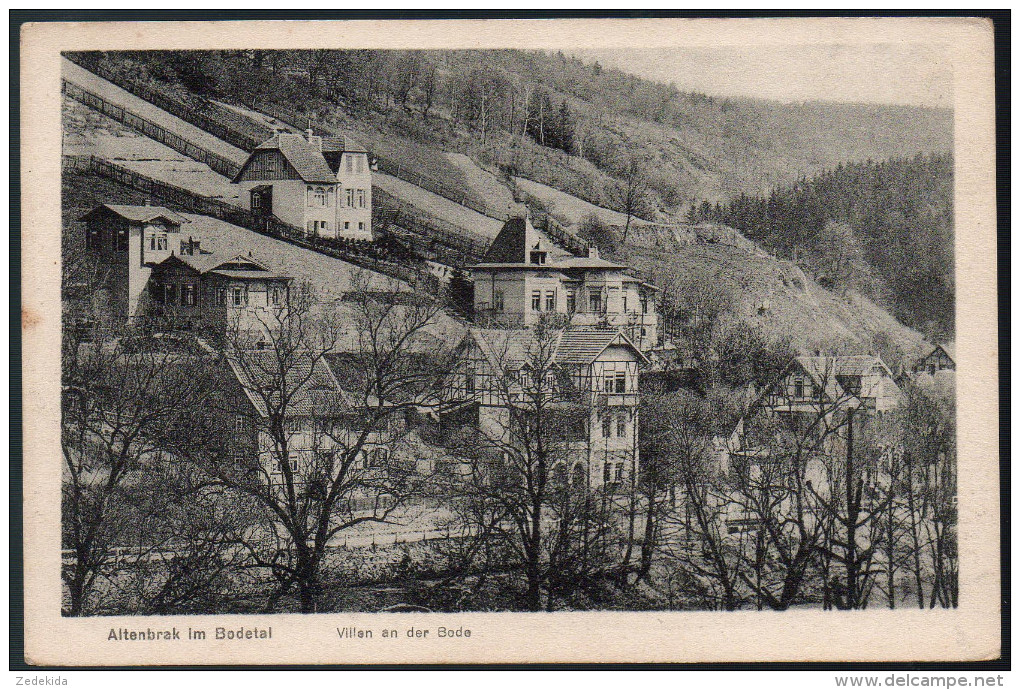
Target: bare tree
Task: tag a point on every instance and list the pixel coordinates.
(697, 541)
(119, 400)
(528, 487)
(324, 439)
(928, 418)
(632, 192)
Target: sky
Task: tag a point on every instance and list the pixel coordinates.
(898, 73)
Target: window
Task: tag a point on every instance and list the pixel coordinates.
(538, 258)
(619, 471)
(350, 162)
(469, 383)
(497, 300)
(624, 309)
(237, 297)
(361, 226)
(595, 302)
(121, 239)
(798, 388)
(347, 225)
(571, 301)
(317, 226)
(189, 295)
(93, 238)
(606, 425)
(621, 382)
(644, 304)
(240, 424)
(621, 425)
(550, 300)
(221, 297)
(293, 426)
(276, 296)
(318, 196)
(607, 473)
(644, 332)
(169, 294)
(377, 457)
(608, 382)
(536, 300)
(157, 241)
(361, 198)
(349, 197)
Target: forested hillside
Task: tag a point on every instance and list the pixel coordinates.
(525, 111)
(797, 178)
(883, 228)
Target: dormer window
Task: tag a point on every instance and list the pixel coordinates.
(538, 258)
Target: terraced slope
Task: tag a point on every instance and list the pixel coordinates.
(118, 96)
(88, 132)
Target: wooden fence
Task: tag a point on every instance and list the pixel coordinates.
(437, 239)
(223, 166)
(235, 215)
(206, 117)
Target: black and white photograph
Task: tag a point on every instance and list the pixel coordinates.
(507, 330)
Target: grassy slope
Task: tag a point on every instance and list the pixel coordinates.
(811, 315)
(87, 132)
(778, 297)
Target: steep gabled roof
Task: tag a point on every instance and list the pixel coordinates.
(309, 382)
(950, 350)
(509, 245)
(584, 345)
(137, 214)
(572, 346)
(304, 156)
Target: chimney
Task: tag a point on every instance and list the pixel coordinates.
(310, 133)
(593, 252)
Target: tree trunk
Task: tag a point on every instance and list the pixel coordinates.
(851, 521)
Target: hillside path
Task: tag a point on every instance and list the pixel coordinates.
(118, 96)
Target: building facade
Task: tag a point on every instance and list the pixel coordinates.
(942, 358)
(156, 276)
(581, 382)
(322, 424)
(320, 184)
(525, 275)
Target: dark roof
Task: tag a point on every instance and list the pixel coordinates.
(577, 346)
(508, 247)
(573, 346)
(342, 143)
(586, 262)
(305, 157)
(237, 267)
(308, 381)
(138, 214)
